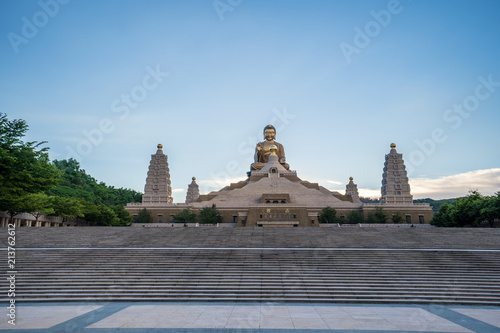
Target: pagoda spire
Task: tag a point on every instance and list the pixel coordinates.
(395, 187)
(193, 192)
(157, 188)
(352, 190)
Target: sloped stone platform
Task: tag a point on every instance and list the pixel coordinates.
(326, 265)
(329, 237)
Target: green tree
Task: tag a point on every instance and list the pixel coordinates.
(370, 218)
(24, 166)
(144, 216)
(39, 204)
(101, 215)
(328, 215)
(78, 184)
(355, 217)
(467, 211)
(397, 218)
(185, 216)
(67, 207)
(491, 209)
(436, 204)
(210, 215)
(124, 217)
(443, 217)
(379, 215)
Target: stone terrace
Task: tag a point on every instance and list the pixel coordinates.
(303, 265)
(334, 237)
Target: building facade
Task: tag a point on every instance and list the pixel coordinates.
(273, 195)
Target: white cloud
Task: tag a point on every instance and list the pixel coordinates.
(215, 184)
(175, 190)
(487, 182)
(369, 193)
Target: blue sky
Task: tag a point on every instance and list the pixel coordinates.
(106, 81)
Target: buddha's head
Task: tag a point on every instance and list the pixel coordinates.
(269, 132)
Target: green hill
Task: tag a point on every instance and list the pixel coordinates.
(436, 204)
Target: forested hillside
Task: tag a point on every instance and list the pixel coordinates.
(475, 210)
(85, 197)
(76, 183)
(436, 204)
(31, 183)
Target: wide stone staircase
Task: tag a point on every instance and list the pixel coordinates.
(397, 276)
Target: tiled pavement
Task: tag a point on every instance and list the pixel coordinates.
(252, 317)
(245, 317)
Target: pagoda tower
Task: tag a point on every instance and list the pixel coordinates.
(157, 189)
(193, 192)
(395, 186)
(352, 190)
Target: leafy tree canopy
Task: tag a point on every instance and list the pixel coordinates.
(355, 217)
(24, 166)
(29, 182)
(144, 216)
(397, 218)
(185, 216)
(78, 184)
(328, 215)
(436, 204)
(210, 215)
(472, 210)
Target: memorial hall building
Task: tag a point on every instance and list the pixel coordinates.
(274, 195)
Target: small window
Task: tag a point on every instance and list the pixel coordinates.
(160, 218)
(235, 219)
(260, 215)
(312, 221)
(283, 201)
(421, 219)
(408, 219)
(268, 201)
(275, 201)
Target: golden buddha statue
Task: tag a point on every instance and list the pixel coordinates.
(263, 150)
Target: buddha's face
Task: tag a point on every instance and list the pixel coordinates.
(269, 134)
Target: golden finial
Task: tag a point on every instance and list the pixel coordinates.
(160, 146)
(194, 178)
(393, 146)
(273, 149)
(351, 179)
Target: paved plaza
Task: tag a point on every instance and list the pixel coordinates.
(153, 280)
(241, 317)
